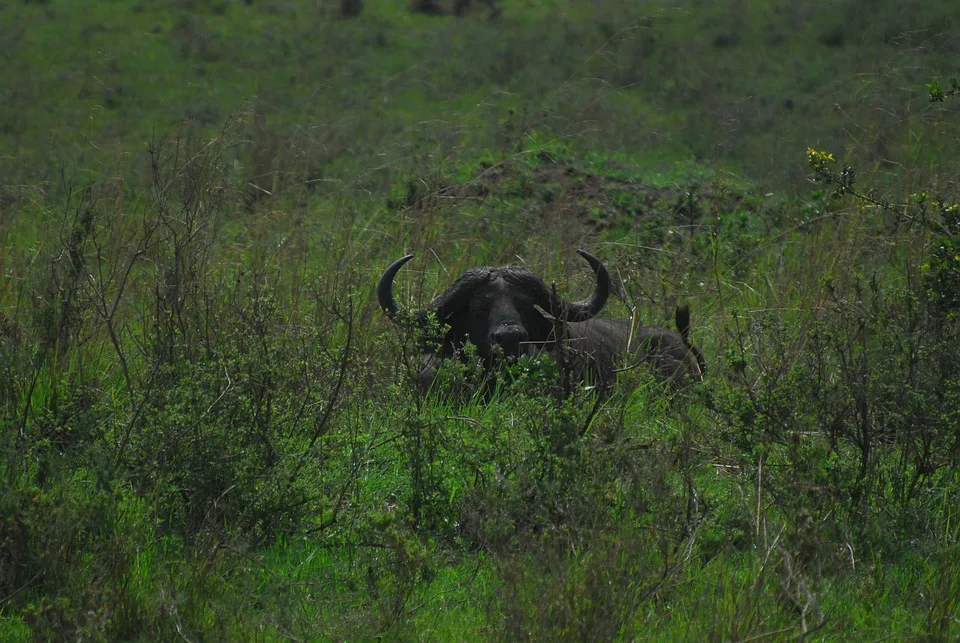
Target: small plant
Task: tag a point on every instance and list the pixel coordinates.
(937, 93)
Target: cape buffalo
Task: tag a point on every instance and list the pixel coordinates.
(508, 312)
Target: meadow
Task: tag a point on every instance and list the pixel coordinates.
(209, 429)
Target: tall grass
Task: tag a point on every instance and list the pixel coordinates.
(209, 430)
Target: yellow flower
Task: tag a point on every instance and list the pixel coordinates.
(817, 159)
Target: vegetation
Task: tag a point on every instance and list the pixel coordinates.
(209, 431)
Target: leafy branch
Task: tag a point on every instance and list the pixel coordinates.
(942, 273)
(917, 211)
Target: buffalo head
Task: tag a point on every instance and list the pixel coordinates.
(500, 310)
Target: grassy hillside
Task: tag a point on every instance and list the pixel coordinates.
(208, 430)
(359, 100)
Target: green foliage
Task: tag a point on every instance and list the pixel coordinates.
(208, 430)
(937, 94)
(66, 550)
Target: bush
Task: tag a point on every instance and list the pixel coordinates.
(850, 408)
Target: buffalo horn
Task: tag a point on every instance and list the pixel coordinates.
(583, 310)
(385, 287)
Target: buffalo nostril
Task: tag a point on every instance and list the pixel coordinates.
(508, 334)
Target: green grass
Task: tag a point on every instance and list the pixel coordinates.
(208, 430)
(734, 86)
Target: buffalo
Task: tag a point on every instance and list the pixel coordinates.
(509, 312)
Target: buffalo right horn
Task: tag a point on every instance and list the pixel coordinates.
(579, 311)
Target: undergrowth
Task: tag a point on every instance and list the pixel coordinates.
(208, 429)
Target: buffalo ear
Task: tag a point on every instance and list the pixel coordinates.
(546, 314)
(549, 325)
(432, 323)
(439, 322)
(442, 315)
